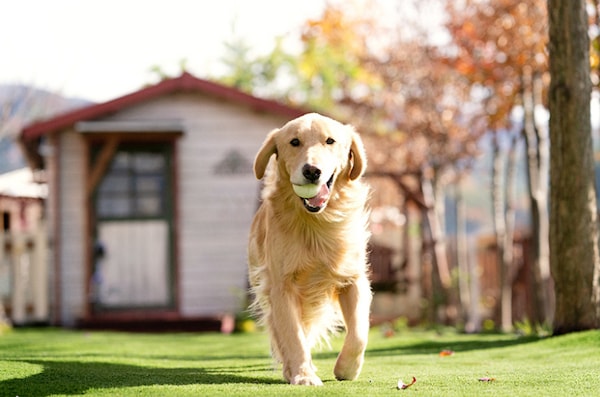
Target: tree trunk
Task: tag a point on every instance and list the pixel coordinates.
(537, 144)
(509, 236)
(499, 207)
(435, 218)
(574, 253)
(503, 181)
(433, 198)
(469, 302)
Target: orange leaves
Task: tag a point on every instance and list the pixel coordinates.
(500, 31)
(443, 353)
(496, 41)
(337, 29)
(390, 81)
(331, 66)
(446, 353)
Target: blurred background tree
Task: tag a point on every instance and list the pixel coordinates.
(501, 50)
(430, 91)
(425, 81)
(392, 82)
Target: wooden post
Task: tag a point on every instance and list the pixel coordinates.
(20, 270)
(39, 274)
(3, 318)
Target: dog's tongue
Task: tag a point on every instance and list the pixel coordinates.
(320, 198)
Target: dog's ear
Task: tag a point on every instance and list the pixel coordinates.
(263, 156)
(357, 157)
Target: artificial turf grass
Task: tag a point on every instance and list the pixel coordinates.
(43, 362)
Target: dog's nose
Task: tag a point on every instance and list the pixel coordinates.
(311, 172)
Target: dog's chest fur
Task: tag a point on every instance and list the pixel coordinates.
(319, 250)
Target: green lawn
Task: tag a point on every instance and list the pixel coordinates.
(44, 362)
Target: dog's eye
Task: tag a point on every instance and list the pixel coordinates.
(295, 142)
(330, 141)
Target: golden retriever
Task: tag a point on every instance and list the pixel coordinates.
(307, 256)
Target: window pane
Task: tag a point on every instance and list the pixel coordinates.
(148, 184)
(112, 207)
(115, 183)
(135, 185)
(120, 161)
(149, 206)
(148, 162)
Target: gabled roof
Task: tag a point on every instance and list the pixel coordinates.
(184, 83)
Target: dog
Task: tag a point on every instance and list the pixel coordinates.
(307, 257)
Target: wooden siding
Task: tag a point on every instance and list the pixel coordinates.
(215, 208)
(71, 209)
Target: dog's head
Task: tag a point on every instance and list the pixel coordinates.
(313, 151)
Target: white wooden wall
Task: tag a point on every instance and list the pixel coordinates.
(215, 211)
(71, 209)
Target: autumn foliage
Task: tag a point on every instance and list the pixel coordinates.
(428, 91)
(388, 81)
(496, 44)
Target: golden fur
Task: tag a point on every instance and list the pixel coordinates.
(308, 262)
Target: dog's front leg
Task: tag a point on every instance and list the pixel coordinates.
(355, 302)
(289, 337)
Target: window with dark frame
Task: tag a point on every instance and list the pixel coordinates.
(135, 185)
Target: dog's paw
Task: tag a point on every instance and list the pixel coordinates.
(348, 369)
(307, 380)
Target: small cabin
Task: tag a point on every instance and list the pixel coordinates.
(150, 199)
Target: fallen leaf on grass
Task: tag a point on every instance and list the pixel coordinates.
(402, 385)
(446, 353)
(486, 379)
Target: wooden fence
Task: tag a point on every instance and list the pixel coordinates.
(24, 276)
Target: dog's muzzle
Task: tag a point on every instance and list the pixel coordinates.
(319, 201)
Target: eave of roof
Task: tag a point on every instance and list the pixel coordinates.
(184, 83)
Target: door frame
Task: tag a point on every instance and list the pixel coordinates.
(106, 144)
